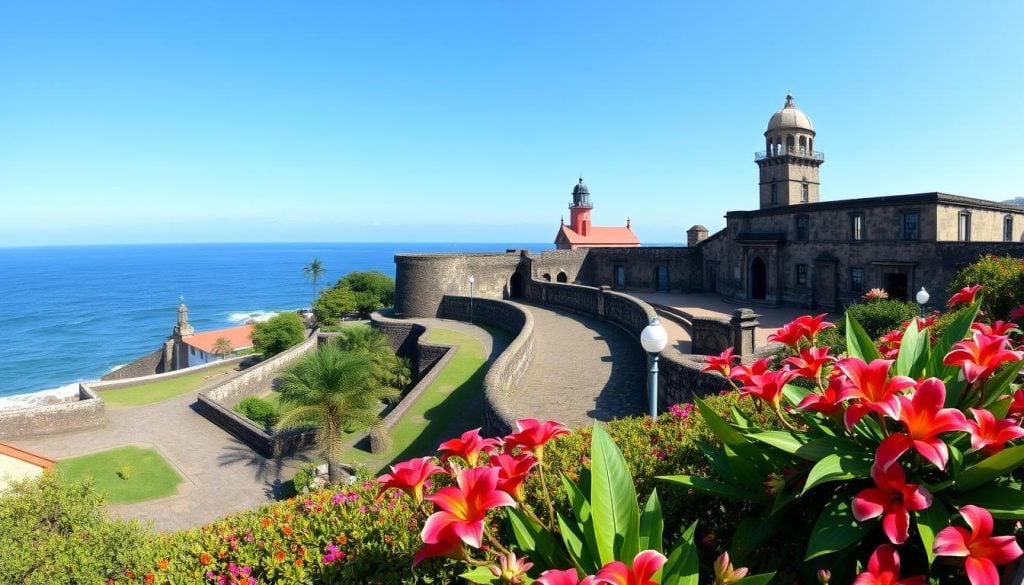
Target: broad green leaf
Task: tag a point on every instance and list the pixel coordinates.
(481, 575)
(740, 417)
(990, 468)
(538, 543)
(584, 518)
(717, 458)
(753, 532)
(998, 386)
(837, 467)
(579, 552)
(1006, 503)
(805, 447)
(794, 394)
(858, 343)
(682, 566)
(929, 522)
(652, 526)
(612, 501)
(911, 347)
(715, 488)
(835, 529)
(760, 579)
(747, 462)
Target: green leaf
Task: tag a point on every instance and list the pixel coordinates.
(579, 551)
(652, 526)
(584, 518)
(682, 566)
(536, 542)
(929, 522)
(835, 530)
(1005, 503)
(753, 532)
(746, 461)
(954, 333)
(911, 347)
(715, 488)
(741, 419)
(804, 447)
(990, 468)
(760, 579)
(837, 467)
(998, 386)
(794, 394)
(612, 501)
(481, 575)
(858, 342)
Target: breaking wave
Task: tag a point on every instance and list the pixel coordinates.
(63, 393)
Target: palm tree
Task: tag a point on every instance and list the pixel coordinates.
(314, 271)
(333, 391)
(393, 370)
(222, 347)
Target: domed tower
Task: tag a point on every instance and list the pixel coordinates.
(789, 164)
(579, 210)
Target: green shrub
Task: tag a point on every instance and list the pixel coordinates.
(333, 304)
(1003, 279)
(373, 289)
(278, 333)
(881, 316)
(258, 410)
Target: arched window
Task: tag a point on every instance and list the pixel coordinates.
(803, 145)
(790, 143)
(1008, 228)
(547, 277)
(562, 277)
(775, 193)
(963, 231)
(805, 193)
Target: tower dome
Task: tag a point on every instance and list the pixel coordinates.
(790, 117)
(789, 163)
(580, 194)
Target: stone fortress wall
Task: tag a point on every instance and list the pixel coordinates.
(147, 365)
(85, 413)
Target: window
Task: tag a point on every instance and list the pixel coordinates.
(910, 226)
(1008, 228)
(775, 193)
(857, 225)
(801, 227)
(192, 350)
(801, 275)
(857, 279)
(804, 192)
(963, 232)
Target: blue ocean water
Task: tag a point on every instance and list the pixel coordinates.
(74, 313)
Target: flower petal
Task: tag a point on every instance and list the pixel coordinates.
(896, 524)
(646, 564)
(981, 571)
(952, 542)
(869, 503)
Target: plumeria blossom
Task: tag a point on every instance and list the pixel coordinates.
(989, 434)
(996, 328)
(512, 472)
(893, 499)
(871, 388)
(964, 296)
(768, 386)
(981, 356)
(721, 363)
(469, 447)
(645, 565)
(464, 508)
(924, 419)
(725, 574)
(532, 435)
(409, 477)
(810, 361)
(561, 577)
(884, 569)
(830, 402)
(983, 551)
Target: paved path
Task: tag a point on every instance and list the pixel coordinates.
(583, 369)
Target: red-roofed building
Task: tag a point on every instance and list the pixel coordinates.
(581, 234)
(203, 347)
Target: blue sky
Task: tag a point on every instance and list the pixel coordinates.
(470, 121)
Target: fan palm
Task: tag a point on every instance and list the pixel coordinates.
(314, 271)
(333, 391)
(222, 347)
(395, 371)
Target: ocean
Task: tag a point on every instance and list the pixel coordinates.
(69, 314)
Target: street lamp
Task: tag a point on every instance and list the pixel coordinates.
(472, 283)
(922, 297)
(653, 339)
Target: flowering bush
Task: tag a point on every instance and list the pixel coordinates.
(876, 294)
(1003, 279)
(886, 458)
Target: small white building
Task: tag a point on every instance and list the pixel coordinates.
(202, 347)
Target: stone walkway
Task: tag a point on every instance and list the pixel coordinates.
(583, 369)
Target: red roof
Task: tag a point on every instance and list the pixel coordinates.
(240, 338)
(26, 456)
(599, 236)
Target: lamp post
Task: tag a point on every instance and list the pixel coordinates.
(922, 297)
(653, 338)
(472, 283)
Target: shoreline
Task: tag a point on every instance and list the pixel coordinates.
(58, 395)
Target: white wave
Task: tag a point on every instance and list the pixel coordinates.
(257, 316)
(117, 367)
(63, 393)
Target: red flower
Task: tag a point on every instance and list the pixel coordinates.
(980, 356)
(884, 569)
(1017, 313)
(721, 363)
(560, 577)
(768, 386)
(533, 435)
(964, 296)
(828, 403)
(1017, 404)
(871, 388)
(790, 335)
(512, 472)
(469, 447)
(448, 544)
(983, 551)
(803, 327)
(891, 342)
(409, 477)
(989, 434)
(810, 361)
(742, 374)
(645, 565)
(205, 558)
(997, 328)
(464, 508)
(893, 499)
(924, 419)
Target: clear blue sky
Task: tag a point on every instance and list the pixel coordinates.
(444, 121)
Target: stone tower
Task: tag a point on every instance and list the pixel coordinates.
(789, 164)
(183, 328)
(579, 210)
(696, 235)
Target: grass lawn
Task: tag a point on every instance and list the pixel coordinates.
(164, 389)
(344, 325)
(449, 406)
(151, 476)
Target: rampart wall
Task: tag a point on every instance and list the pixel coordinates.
(149, 364)
(85, 413)
(422, 280)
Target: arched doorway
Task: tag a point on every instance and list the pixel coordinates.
(515, 286)
(758, 279)
(547, 277)
(562, 277)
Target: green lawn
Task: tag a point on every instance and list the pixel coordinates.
(344, 325)
(164, 389)
(150, 476)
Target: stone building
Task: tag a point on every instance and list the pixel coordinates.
(581, 234)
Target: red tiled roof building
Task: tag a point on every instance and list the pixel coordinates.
(581, 234)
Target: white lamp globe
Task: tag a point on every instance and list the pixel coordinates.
(922, 296)
(654, 338)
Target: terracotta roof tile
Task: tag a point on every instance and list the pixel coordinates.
(240, 338)
(26, 456)
(602, 236)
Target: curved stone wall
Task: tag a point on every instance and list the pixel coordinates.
(422, 280)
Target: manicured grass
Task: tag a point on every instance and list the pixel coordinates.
(164, 389)
(344, 325)
(150, 477)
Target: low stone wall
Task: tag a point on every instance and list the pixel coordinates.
(146, 365)
(710, 335)
(410, 398)
(126, 383)
(405, 339)
(258, 380)
(85, 413)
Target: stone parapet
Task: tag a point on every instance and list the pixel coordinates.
(85, 413)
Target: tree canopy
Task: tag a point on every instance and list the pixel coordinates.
(278, 333)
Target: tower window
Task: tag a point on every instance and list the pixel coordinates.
(804, 192)
(963, 232)
(801, 228)
(857, 227)
(1008, 228)
(857, 279)
(775, 193)
(910, 226)
(801, 275)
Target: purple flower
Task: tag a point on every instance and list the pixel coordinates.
(332, 555)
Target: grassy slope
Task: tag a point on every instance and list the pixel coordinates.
(164, 389)
(151, 476)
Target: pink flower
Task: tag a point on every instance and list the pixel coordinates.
(768, 386)
(790, 335)
(989, 434)
(893, 500)
(829, 403)
(512, 472)
(981, 356)
(964, 296)
(1016, 404)
(446, 544)
(333, 554)
(996, 328)
(511, 569)
(983, 551)
(1017, 313)
(924, 419)
(725, 574)
(469, 447)
(532, 435)
(890, 344)
(884, 569)
(464, 508)
(721, 363)
(871, 389)
(560, 577)
(645, 565)
(409, 477)
(810, 361)
(742, 374)
(803, 327)
(682, 411)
